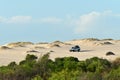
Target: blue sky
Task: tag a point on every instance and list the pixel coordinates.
(50, 20)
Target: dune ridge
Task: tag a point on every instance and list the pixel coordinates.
(90, 47)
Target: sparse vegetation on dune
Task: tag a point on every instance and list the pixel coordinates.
(66, 68)
(93, 42)
(107, 43)
(110, 53)
(42, 43)
(91, 39)
(39, 47)
(32, 51)
(20, 44)
(103, 43)
(95, 39)
(54, 45)
(109, 39)
(58, 44)
(4, 47)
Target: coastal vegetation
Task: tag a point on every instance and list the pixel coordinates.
(66, 68)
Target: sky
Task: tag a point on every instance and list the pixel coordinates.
(51, 20)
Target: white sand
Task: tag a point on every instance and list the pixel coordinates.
(89, 48)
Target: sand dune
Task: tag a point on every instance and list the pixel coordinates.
(89, 48)
(19, 44)
(4, 48)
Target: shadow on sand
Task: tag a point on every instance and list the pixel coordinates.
(86, 50)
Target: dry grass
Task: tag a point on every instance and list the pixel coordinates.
(42, 43)
(54, 45)
(91, 39)
(20, 44)
(39, 47)
(32, 51)
(4, 48)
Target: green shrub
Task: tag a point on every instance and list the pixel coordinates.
(31, 57)
(66, 68)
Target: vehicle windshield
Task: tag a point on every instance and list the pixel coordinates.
(76, 46)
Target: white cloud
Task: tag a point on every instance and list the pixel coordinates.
(86, 21)
(20, 19)
(50, 20)
(91, 21)
(2, 19)
(16, 19)
(28, 19)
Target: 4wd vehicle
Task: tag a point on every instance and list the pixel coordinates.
(76, 48)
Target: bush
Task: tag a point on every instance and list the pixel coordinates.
(66, 68)
(116, 63)
(113, 75)
(97, 64)
(12, 64)
(31, 57)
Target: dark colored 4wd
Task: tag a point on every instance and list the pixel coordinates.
(75, 49)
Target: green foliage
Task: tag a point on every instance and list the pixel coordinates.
(82, 66)
(12, 64)
(65, 75)
(6, 73)
(116, 63)
(114, 74)
(42, 67)
(69, 63)
(31, 57)
(66, 68)
(37, 77)
(22, 62)
(97, 65)
(90, 76)
(23, 72)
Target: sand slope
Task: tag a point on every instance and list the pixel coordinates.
(89, 48)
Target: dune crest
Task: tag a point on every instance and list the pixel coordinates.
(4, 48)
(90, 47)
(19, 44)
(93, 42)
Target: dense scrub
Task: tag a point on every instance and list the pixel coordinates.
(67, 68)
